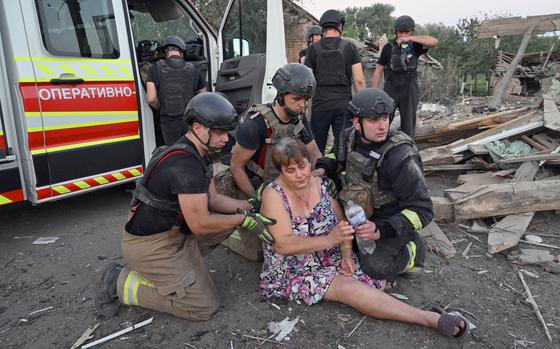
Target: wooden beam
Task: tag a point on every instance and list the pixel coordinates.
(507, 232)
(517, 25)
(504, 199)
(443, 209)
(438, 241)
(504, 82)
(430, 133)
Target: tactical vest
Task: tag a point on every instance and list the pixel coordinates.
(331, 65)
(403, 59)
(362, 171)
(175, 87)
(142, 195)
(275, 131)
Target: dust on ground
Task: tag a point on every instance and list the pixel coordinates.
(63, 275)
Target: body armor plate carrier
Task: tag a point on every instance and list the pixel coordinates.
(175, 87)
(275, 130)
(142, 195)
(361, 182)
(403, 59)
(331, 65)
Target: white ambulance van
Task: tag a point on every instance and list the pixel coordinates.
(73, 110)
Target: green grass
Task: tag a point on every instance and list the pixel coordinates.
(480, 89)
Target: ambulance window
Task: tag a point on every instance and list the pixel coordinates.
(244, 30)
(79, 28)
(146, 27)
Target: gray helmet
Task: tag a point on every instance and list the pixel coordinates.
(174, 40)
(211, 110)
(313, 30)
(331, 19)
(404, 23)
(295, 78)
(371, 103)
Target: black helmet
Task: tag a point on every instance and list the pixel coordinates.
(331, 19)
(211, 110)
(404, 23)
(313, 30)
(174, 40)
(371, 103)
(295, 78)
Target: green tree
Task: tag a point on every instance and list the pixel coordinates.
(369, 21)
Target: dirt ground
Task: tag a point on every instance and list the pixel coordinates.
(61, 278)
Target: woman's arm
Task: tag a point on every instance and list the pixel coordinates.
(288, 244)
(345, 246)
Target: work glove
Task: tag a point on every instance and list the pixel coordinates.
(331, 188)
(256, 223)
(256, 200)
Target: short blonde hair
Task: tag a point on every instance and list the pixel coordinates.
(289, 150)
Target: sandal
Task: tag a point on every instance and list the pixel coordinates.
(447, 323)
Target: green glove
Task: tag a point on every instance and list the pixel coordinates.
(331, 188)
(256, 200)
(256, 223)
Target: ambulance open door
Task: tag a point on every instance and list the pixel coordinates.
(251, 48)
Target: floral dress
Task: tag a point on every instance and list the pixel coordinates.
(306, 277)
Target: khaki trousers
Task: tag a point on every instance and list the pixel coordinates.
(165, 272)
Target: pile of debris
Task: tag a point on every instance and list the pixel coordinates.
(531, 70)
(514, 161)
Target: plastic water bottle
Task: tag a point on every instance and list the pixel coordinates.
(356, 216)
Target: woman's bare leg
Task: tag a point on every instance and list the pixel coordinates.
(375, 303)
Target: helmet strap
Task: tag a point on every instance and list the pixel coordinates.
(207, 145)
(280, 99)
(362, 131)
(294, 117)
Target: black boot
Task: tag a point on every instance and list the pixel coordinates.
(107, 299)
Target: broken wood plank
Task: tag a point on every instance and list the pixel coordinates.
(478, 149)
(507, 198)
(546, 140)
(551, 113)
(526, 172)
(452, 167)
(473, 179)
(534, 144)
(519, 125)
(530, 257)
(429, 133)
(439, 156)
(536, 157)
(438, 241)
(443, 209)
(501, 27)
(507, 232)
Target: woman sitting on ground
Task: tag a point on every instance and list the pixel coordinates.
(312, 256)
